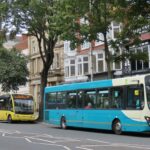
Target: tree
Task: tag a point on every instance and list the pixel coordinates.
(134, 16)
(3, 15)
(98, 15)
(39, 18)
(13, 69)
(13, 65)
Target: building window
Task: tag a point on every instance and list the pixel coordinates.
(67, 47)
(116, 63)
(85, 45)
(79, 66)
(33, 47)
(100, 62)
(140, 64)
(83, 65)
(100, 39)
(70, 68)
(115, 29)
(94, 63)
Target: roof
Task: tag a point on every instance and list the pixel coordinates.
(91, 85)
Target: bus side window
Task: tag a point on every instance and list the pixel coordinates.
(71, 99)
(9, 104)
(116, 96)
(103, 100)
(61, 100)
(1, 103)
(135, 97)
(51, 101)
(80, 99)
(90, 99)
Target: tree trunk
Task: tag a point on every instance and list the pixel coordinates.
(107, 56)
(44, 75)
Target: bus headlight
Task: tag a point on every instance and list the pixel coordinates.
(147, 119)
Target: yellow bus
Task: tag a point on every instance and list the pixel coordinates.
(17, 107)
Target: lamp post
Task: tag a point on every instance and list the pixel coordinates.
(91, 60)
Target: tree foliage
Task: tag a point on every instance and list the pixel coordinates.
(133, 16)
(13, 69)
(40, 19)
(97, 16)
(3, 16)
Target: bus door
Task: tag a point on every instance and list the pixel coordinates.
(135, 101)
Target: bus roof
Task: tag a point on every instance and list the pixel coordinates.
(79, 86)
(96, 84)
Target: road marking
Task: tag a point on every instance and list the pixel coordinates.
(34, 138)
(28, 140)
(46, 139)
(98, 141)
(62, 146)
(84, 148)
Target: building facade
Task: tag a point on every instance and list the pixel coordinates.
(22, 46)
(87, 62)
(56, 72)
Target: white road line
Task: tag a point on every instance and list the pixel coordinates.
(98, 141)
(3, 134)
(62, 146)
(41, 140)
(84, 148)
(28, 140)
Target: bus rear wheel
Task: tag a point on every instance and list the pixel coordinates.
(9, 119)
(117, 127)
(63, 123)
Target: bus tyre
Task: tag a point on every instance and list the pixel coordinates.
(9, 119)
(63, 123)
(117, 127)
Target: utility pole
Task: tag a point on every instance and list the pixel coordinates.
(91, 54)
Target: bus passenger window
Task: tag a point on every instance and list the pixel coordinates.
(117, 98)
(90, 99)
(103, 99)
(71, 100)
(80, 99)
(51, 101)
(61, 100)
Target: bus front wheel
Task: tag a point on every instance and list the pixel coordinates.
(117, 127)
(9, 119)
(63, 123)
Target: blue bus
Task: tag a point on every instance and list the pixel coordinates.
(121, 104)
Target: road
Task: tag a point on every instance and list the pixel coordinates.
(41, 136)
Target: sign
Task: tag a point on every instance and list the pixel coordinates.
(136, 92)
(19, 96)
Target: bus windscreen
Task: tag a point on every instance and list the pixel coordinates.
(23, 104)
